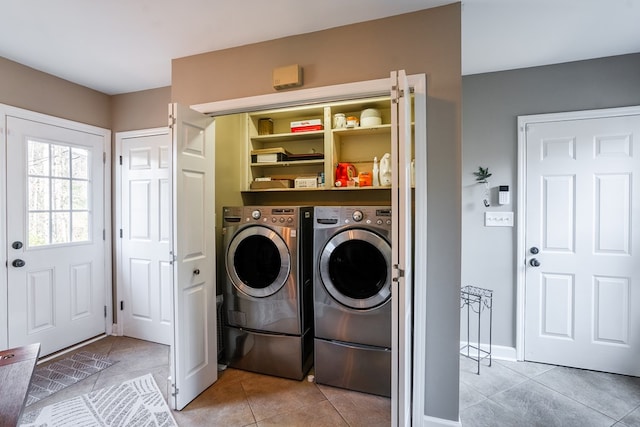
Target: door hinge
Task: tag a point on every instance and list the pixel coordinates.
(104, 157)
(121, 233)
(104, 234)
(105, 311)
(172, 121)
(120, 160)
(121, 305)
(176, 390)
(400, 272)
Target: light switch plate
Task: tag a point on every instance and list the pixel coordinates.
(498, 219)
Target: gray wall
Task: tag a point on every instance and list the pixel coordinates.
(491, 103)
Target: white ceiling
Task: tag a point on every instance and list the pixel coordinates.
(119, 46)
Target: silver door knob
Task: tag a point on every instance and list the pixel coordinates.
(534, 250)
(534, 262)
(18, 263)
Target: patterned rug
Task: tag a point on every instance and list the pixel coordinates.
(134, 403)
(63, 373)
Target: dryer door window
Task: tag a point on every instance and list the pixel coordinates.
(258, 261)
(355, 268)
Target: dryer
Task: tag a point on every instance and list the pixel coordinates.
(268, 289)
(352, 297)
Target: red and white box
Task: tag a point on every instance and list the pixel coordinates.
(307, 125)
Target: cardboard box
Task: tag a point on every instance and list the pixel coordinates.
(306, 125)
(274, 183)
(306, 182)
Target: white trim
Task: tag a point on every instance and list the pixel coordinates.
(118, 327)
(498, 352)
(9, 111)
(523, 121)
(365, 89)
(435, 422)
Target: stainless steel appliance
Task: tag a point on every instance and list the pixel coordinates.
(268, 289)
(352, 297)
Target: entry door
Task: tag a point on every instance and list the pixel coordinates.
(583, 243)
(146, 271)
(55, 230)
(194, 352)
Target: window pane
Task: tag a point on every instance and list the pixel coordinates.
(38, 194)
(60, 230)
(38, 158)
(80, 227)
(79, 163)
(38, 229)
(80, 194)
(61, 195)
(60, 161)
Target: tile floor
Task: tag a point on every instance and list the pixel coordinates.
(535, 394)
(505, 394)
(238, 398)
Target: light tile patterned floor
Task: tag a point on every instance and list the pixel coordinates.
(535, 394)
(506, 394)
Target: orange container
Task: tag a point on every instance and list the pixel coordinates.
(364, 179)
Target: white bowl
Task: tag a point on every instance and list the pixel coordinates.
(370, 117)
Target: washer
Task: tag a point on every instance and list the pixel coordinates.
(352, 297)
(268, 289)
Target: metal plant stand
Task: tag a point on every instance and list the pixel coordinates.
(476, 299)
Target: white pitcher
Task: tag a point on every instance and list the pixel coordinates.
(385, 170)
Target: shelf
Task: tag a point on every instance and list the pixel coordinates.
(280, 137)
(366, 130)
(288, 163)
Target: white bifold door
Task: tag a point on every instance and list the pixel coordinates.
(582, 240)
(55, 234)
(194, 363)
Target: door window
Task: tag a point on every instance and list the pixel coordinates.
(58, 194)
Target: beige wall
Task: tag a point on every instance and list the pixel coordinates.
(140, 110)
(33, 90)
(422, 42)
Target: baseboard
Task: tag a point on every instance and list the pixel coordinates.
(435, 422)
(498, 352)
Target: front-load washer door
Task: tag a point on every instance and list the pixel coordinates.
(355, 268)
(258, 261)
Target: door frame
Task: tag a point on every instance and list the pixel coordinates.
(118, 325)
(6, 110)
(523, 122)
(414, 406)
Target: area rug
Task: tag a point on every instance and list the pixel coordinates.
(134, 403)
(54, 377)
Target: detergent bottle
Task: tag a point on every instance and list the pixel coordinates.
(385, 170)
(376, 173)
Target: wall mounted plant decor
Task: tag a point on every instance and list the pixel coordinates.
(482, 177)
(482, 174)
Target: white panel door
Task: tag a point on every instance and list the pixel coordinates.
(55, 218)
(583, 220)
(195, 359)
(146, 270)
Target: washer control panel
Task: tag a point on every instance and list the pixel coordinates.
(332, 216)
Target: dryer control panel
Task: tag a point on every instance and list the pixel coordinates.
(332, 216)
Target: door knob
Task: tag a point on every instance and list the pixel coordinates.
(18, 263)
(534, 250)
(16, 245)
(196, 271)
(534, 262)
